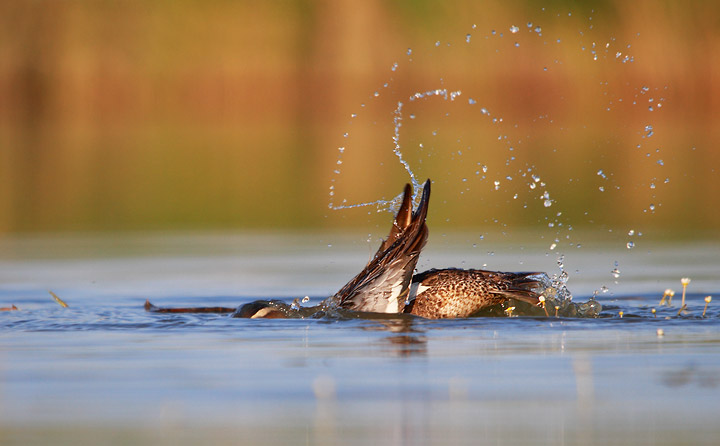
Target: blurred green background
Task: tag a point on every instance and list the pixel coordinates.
(135, 115)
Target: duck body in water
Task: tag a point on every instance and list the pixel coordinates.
(453, 292)
(387, 285)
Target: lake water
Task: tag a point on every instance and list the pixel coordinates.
(105, 371)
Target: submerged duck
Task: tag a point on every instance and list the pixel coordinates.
(387, 284)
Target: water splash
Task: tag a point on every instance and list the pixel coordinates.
(393, 204)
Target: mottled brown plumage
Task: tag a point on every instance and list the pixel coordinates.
(453, 293)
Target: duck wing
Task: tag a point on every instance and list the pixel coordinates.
(382, 285)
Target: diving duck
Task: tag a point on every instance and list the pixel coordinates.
(387, 284)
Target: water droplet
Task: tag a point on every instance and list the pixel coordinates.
(630, 245)
(353, 115)
(661, 162)
(341, 149)
(631, 232)
(667, 180)
(553, 246)
(497, 185)
(538, 29)
(376, 94)
(604, 289)
(547, 203)
(601, 189)
(471, 101)
(649, 131)
(484, 169)
(517, 45)
(652, 207)
(394, 66)
(601, 173)
(305, 299)
(467, 38)
(514, 29)
(409, 51)
(615, 272)
(652, 185)
(437, 43)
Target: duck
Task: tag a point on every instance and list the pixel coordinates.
(389, 285)
(456, 293)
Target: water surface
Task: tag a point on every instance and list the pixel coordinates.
(104, 370)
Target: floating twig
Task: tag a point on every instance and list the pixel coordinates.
(58, 300)
(14, 308)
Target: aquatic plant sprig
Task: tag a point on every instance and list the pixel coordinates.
(708, 299)
(58, 300)
(667, 294)
(542, 304)
(685, 281)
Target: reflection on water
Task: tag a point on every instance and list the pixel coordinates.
(105, 370)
